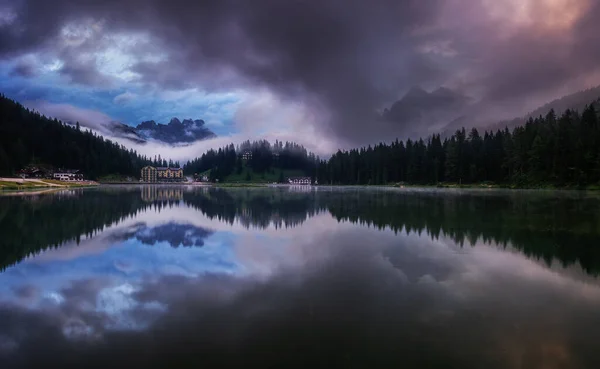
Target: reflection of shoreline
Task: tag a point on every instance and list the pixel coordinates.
(546, 230)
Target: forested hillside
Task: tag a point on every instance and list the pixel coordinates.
(550, 150)
(28, 137)
(547, 150)
(263, 158)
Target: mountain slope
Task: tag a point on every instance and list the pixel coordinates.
(419, 105)
(576, 101)
(26, 136)
(175, 132)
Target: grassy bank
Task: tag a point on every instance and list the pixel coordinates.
(5, 185)
(69, 184)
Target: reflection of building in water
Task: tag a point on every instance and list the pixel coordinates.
(300, 188)
(162, 193)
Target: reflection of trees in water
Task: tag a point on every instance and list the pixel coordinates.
(256, 208)
(34, 223)
(560, 226)
(563, 227)
(566, 228)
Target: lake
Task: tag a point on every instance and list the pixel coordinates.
(299, 277)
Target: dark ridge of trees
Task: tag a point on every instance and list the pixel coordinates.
(562, 151)
(564, 227)
(264, 157)
(27, 137)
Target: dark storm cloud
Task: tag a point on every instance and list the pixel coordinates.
(541, 59)
(346, 59)
(347, 56)
(84, 74)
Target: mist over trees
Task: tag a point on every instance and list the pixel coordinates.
(260, 156)
(26, 137)
(548, 150)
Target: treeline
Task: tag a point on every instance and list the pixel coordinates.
(553, 150)
(27, 137)
(262, 157)
(160, 162)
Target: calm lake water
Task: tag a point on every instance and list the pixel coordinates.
(161, 277)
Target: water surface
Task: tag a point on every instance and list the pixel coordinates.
(300, 277)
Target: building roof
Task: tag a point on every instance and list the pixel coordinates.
(30, 170)
(162, 168)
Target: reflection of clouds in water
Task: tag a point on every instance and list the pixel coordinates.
(113, 252)
(337, 290)
(362, 293)
(267, 251)
(118, 303)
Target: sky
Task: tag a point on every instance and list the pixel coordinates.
(315, 72)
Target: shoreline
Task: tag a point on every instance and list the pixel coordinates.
(9, 184)
(13, 185)
(450, 186)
